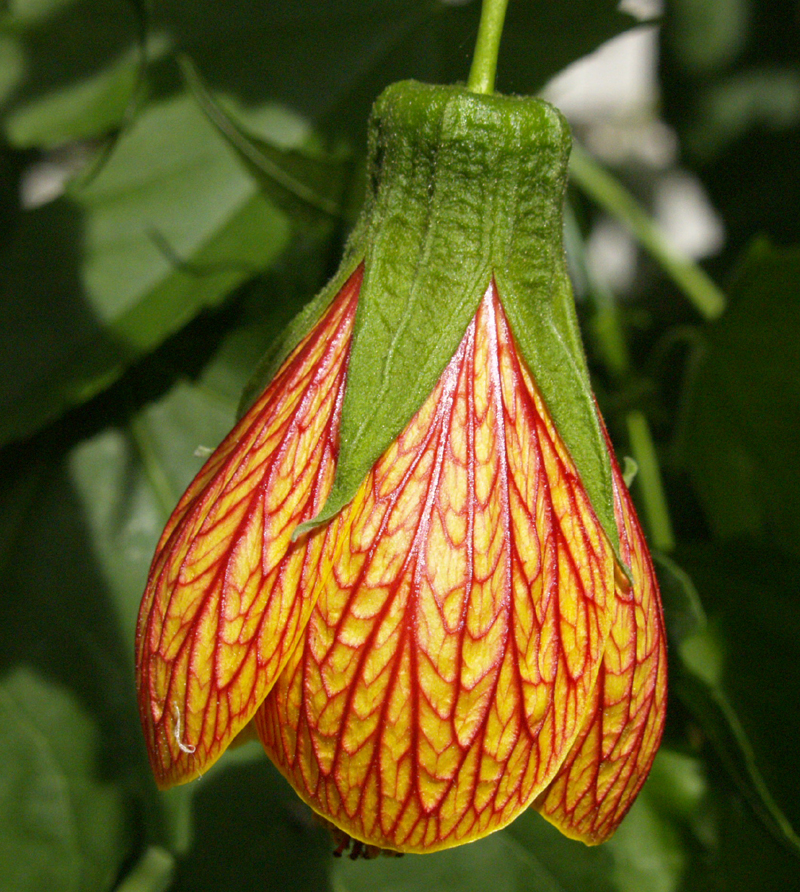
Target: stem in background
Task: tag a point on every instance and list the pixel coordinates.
(607, 328)
(613, 348)
(610, 194)
(487, 47)
(654, 501)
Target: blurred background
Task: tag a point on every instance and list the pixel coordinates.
(176, 179)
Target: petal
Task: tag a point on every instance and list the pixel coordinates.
(227, 596)
(461, 618)
(611, 758)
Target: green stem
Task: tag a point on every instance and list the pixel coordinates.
(613, 349)
(609, 193)
(651, 486)
(608, 330)
(487, 47)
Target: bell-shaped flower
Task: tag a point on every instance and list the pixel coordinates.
(413, 565)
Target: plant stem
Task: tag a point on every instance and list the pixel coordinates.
(607, 328)
(654, 499)
(613, 349)
(487, 47)
(610, 194)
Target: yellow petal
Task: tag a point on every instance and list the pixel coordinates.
(611, 758)
(228, 595)
(461, 617)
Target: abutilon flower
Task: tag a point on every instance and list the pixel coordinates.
(413, 567)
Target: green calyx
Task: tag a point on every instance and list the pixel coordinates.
(461, 187)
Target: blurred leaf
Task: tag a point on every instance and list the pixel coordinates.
(61, 826)
(743, 419)
(676, 786)
(713, 33)
(683, 609)
(648, 851)
(570, 866)
(722, 726)
(152, 873)
(18, 13)
(650, 484)
(170, 225)
(530, 854)
(731, 91)
(254, 834)
(91, 108)
(58, 621)
(644, 853)
(359, 46)
(728, 676)
(78, 80)
(498, 862)
(754, 99)
(296, 181)
(12, 65)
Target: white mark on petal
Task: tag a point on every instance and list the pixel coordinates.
(183, 747)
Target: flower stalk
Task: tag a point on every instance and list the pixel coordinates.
(487, 46)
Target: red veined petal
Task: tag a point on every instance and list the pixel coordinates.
(461, 619)
(227, 596)
(611, 758)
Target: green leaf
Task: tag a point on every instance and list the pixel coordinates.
(12, 65)
(497, 862)
(359, 45)
(61, 825)
(728, 676)
(78, 81)
(647, 850)
(90, 109)
(152, 873)
(683, 609)
(743, 417)
(254, 834)
(297, 181)
(58, 619)
(20, 13)
(724, 730)
(170, 225)
(644, 853)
